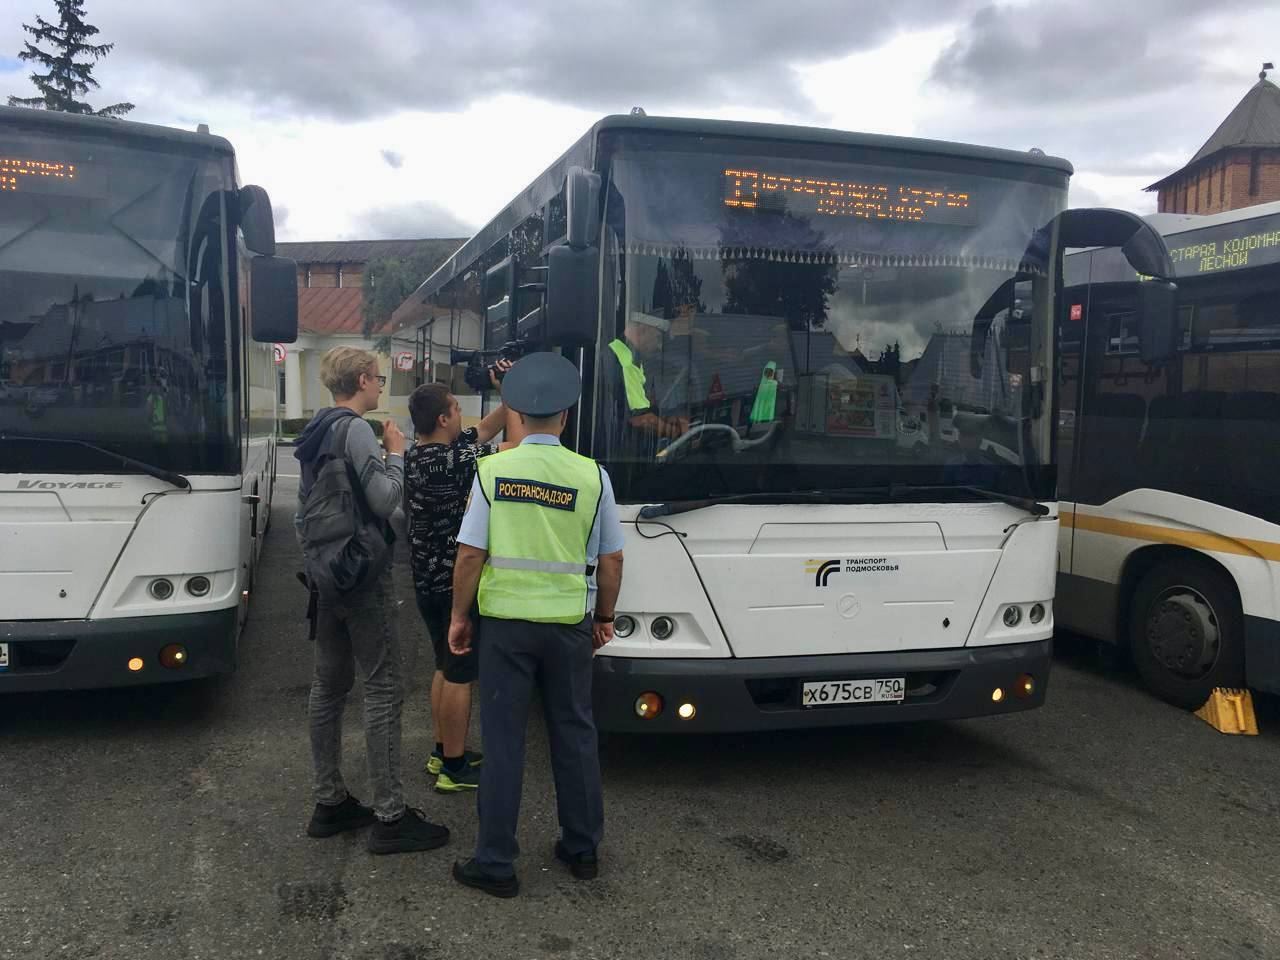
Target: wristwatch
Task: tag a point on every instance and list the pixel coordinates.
(602, 619)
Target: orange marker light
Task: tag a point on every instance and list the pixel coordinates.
(135, 664)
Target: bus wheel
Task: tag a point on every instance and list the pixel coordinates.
(1186, 632)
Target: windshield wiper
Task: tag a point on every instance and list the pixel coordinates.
(1034, 507)
(828, 495)
(168, 476)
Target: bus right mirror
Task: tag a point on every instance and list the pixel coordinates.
(1158, 308)
(257, 221)
(273, 299)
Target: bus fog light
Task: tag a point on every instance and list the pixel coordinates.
(198, 586)
(135, 664)
(624, 627)
(662, 628)
(648, 705)
(997, 695)
(1037, 613)
(160, 588)
(1012, 616)
(687, 711)
(1026, 686)
(173, 657)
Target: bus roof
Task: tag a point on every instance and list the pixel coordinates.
(57, 122)
(1170, 224)
(582, 153)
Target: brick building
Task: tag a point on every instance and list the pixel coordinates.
(331, 314)
(1238, 166)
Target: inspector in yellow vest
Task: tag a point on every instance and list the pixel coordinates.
(633, 378)
(543, 501)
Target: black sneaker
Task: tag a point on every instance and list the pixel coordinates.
(583, 866)
(469, 874)
(328, 820)
(412, 833)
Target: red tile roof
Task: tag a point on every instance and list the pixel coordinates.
(330, 310)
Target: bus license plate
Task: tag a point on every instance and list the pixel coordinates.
(4, 656)
(830, 692)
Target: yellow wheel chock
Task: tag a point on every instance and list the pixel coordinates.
(1230, 711)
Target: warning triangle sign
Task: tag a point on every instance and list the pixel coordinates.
(716, 393)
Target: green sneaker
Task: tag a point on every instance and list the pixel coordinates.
(468, 778)
(435, 762)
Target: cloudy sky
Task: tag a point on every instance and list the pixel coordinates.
(418, 118)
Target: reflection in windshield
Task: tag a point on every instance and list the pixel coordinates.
(783, 357)
(113, 310)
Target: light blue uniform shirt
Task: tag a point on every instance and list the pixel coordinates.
(606, 533)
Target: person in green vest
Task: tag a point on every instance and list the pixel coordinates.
(157, 412)
(628, 385)
(541, 520)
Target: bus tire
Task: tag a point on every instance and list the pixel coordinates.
(1186, 632)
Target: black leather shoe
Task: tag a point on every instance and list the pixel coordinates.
(583, 866)
(469, 874)
(329, 820)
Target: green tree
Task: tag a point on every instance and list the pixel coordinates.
(69, 68)
(388, 281)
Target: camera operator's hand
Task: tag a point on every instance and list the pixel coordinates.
(498, 371)
(392, 438)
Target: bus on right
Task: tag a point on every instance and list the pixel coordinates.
(1169, 451)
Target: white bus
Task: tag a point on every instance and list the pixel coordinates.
(857, 521)
(1170, 451)
(139, 298)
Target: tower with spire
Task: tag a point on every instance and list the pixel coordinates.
(1238, 166)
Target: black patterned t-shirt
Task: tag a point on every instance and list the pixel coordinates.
(437, 480)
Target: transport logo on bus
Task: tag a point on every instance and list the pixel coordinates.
(821, 570)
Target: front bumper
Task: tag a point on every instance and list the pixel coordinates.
(764, 694)
(80, 654)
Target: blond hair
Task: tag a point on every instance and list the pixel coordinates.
(340, 369)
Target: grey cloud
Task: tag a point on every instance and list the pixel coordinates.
(394, 160)
(408, 221)
(354, 61)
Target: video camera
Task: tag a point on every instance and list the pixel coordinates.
(480, 363)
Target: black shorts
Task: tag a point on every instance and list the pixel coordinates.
(437, 611)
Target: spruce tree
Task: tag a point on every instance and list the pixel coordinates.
(68, 74)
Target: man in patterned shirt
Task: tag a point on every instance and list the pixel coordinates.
(438, 474)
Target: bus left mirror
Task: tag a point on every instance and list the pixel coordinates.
(257, 221)
(273, 296)
(1158, 309)
(572, 295)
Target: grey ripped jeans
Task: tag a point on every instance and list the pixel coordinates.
(358, 631)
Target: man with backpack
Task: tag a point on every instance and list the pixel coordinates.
(345, 498)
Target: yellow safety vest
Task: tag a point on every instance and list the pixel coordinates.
(766, 402)
(543, 501)
(633, 377)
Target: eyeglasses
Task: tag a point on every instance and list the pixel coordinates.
(382, 381)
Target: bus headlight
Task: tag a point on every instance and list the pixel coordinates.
(624, 626)
(199, 586)
(662, 628)
(1037, 613)
(160, 588)
(1012, 616)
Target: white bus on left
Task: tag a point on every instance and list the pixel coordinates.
(139, 299)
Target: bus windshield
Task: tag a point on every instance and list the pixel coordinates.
(114, 319)
(777, 322)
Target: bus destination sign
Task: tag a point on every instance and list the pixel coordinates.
(1232, 246)
(893, 200)
(20, 174)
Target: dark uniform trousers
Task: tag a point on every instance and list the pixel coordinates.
(516, 656)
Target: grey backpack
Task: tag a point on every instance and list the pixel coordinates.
(344, 545)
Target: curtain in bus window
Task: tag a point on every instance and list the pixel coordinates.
(687, 202)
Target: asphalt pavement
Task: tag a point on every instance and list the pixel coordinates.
(169, 823)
